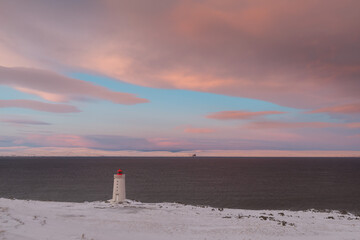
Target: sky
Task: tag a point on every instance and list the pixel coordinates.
(177, 77)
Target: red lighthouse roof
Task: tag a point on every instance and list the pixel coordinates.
(119, 172)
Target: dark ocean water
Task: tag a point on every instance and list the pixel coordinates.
(248, 183)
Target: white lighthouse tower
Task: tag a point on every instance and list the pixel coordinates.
(119, 187)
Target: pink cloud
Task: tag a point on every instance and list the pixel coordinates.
(53, 97)
(231, 115)
(274, 124)
(167, 143)
(343, 109)
(102, 142)
(274, 141)
(353, 125)
(297, 125)
(298, 53)
(39, 106)
(277, 124)
(54, 87)
(62, 140)
(198, 130)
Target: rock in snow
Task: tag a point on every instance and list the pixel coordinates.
(23, 219)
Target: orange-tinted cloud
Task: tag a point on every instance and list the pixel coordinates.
(63, 140)
(231, 115)
(167, 143)
(57, 88)
(301, 54)
(39, 106)
(198, 130)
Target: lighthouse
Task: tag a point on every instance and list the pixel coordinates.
(119, 187)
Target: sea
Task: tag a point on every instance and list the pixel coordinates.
(221, 182)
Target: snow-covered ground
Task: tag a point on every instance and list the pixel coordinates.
(21, 219)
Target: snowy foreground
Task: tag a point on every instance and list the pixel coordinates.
(21, 219)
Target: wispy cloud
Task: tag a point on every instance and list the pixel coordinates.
(104, 142)
(126, 143)
(190, 129)
(39, 106)
(24, 122)
(353, 125)
(342, 109)
(277, 124)
(76, 151)
(231, 115)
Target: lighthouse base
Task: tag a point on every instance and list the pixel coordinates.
(119, 189)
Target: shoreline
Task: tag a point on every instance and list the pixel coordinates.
(30, 219)
(319, 210)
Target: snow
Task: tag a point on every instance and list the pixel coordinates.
(25, 219)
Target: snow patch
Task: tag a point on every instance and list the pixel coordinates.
(26, 219)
